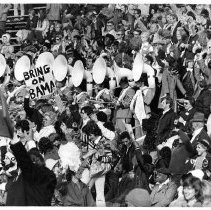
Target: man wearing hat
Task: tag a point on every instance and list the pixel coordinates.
(199, 132)
(123, 104)
(165, 189)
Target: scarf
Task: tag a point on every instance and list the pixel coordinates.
(139, 105)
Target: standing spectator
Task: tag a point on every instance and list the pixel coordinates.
(42, 26)
(54, 12)
(166, 120)
(31, 24)
(16, 9)
(4, 9)
(38, 181)
(164, 191)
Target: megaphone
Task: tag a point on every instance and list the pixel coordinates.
(3, 65)
(22, 65)
(79, 73)
(123, 72)
(45, 58)
(140, 67)
(60, 68)
(100, 71)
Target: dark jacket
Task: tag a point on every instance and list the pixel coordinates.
(165, 125)
(34, 186)
(180, 154)
(203, 102)
(33, 114)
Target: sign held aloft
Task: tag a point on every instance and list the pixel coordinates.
(40, 81)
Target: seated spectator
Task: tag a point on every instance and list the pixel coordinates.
(192, 190)
(164, 191)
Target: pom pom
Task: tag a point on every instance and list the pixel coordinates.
(70, 156)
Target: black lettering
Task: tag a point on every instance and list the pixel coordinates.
(26, 75)
(46, 69)
(41, 79)
(40, 71)
(32, 94)
(39, 92)
(45, 88)
(31, 72)
(52, 86)
(34, 81)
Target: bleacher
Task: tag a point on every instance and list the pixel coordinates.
(15, 23)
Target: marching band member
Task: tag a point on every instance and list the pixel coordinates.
(80, 96)
(140, 104)
(123, 104)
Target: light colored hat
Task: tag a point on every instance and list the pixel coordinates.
(50, 163)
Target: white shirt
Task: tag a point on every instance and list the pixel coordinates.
(106, 132)
(195, 133)
(29, 145)
(44, 132)
(165, 111)
(161, 185)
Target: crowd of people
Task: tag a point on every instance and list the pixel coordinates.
(140, 137)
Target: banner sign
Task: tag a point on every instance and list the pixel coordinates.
(40, 81)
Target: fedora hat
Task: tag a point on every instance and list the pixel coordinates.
(198, 117)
